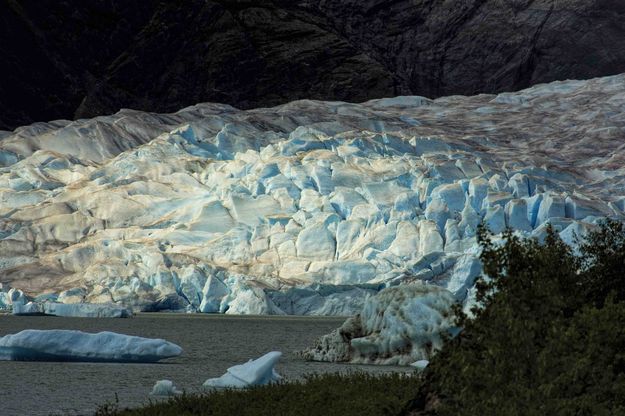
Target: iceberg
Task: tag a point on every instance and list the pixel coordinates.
(420, 364)
(256, 372)
(77, 310)
(398, 326)
(69, 345)
(30, 308)
(164, 388)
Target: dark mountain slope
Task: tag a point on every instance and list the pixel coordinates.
(66, 59)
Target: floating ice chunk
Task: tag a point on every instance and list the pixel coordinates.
(399, 325)
(420, 364)
(164, 388)
(253, 373)
(30, 308)
(66, 345)
(86, 310)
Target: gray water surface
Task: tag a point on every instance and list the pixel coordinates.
(211, 344)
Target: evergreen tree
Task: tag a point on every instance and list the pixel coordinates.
(547, 335)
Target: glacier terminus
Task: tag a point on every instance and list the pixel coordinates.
(307, 208)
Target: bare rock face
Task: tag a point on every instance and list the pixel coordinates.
(103, 55)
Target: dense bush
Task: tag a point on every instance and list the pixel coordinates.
(548, 338)
(358, 394)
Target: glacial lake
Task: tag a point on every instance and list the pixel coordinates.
(211, 344)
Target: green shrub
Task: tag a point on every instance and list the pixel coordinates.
(359, 394)
(548, 338)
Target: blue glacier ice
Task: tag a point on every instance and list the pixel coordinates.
(69, 345)
(309, 207)
(76, 310)
(164, 388)
(256, 372)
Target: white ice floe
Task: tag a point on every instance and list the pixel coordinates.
(164, 388)
(76, 310)
(420, 364)
(67, 345)
(256, 372)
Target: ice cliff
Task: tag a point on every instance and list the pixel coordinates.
(304, 208)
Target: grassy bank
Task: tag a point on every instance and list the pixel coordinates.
(358, 394)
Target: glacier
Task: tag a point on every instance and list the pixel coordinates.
(307, 208)
(256, 372)
(71, 345)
